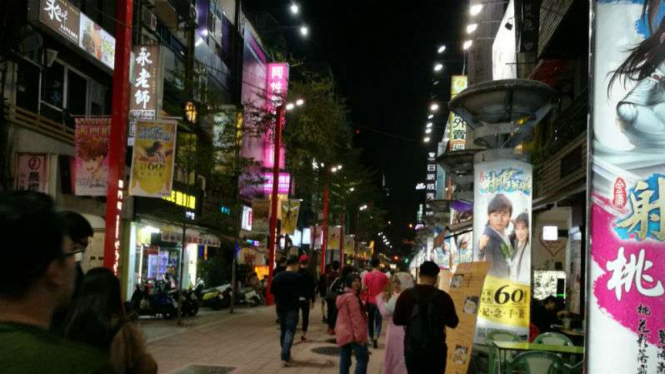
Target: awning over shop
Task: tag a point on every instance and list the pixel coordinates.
(173, 234)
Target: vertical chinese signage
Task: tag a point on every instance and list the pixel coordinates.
(153, 159)
(32, 172)
(465, 289)
(456, 124)
(92, 148)
(276, 90)
(626, 328)
(502, 237)
(144, 93)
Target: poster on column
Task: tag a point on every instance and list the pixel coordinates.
(465, 290)
(261, 215)
(153, 159)
(290, 210)
(502, 237)
(92, 148)
(333, 237)
(627, 195)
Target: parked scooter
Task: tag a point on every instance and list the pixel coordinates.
(153, 300)
(190, 303)
(249, 296)
(215, 298)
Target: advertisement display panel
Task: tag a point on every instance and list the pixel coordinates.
(456, 125)
(502, 237)
(32, 172)
(290, 210)
(153, 159)
(626, 261)
(260, 216)
(92, 148)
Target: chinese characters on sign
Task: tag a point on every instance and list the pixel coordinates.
(32, 172)
(283, 184)
(456, 125)
(647, 217)
(277, 88)
(626, 273)
(92, 148)
(153, 159)
(144, 102)
(61, 17)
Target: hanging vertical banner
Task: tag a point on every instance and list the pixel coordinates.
(502, 216)
(465, 289)
(333, 237)
(260, 216)
(626, 328)
(32, 172)
(276, 90)
(349, 244)
(92, 147)
(456, 125)
(290, 210)
(145, 91)
(153, 158)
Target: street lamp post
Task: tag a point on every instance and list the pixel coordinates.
(273, 214)
(324, 242)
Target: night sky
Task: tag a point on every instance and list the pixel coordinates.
(382, 55)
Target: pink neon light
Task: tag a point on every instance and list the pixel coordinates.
(283, 183)
(276, 89)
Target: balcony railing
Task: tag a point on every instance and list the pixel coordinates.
(18, 116)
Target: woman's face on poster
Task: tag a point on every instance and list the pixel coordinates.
(93, 165)
(521, 231)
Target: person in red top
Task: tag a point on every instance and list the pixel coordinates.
(374, 283)
(351, 327)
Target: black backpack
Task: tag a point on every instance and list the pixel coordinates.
(425, 335)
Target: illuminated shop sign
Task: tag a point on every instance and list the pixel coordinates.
(181, 199)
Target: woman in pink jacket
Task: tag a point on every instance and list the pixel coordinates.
(351, 327)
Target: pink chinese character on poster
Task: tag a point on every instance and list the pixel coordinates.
(276, 92)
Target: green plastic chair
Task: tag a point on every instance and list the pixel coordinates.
(553, 338)
(536, 363)
(497, 336)
(574, 369)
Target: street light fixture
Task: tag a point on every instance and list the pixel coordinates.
(471, 28)
(290, 106)
(430, 116)
(441, 49)
(467, 44)
(300, 102)
(304, 30)
(295, 8)
(427, 131)
(426, 140)
(434, 107)
(438, 67)
(475, 10)
(429, 124)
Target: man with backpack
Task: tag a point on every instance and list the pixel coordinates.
(425, 311)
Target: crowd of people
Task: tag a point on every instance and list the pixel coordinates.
(53, 318)
(354, 306)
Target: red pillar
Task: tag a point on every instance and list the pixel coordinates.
(272, 238)
(324, 242)
(118, 134)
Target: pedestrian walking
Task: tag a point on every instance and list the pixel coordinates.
(37, 276)
(281, 267)
(332, 291)
(308, 298)
(321, 288)
(288, 287)
(425, 311)
(351, 327)
(78, 233)
(393, 362)
(374, 283)
(98, 320)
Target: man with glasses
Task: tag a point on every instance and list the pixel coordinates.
(37, 276)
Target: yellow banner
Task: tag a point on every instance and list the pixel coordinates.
(153, 158)
(505, 302)
(290, 210)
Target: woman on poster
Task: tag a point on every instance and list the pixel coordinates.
(520, 264)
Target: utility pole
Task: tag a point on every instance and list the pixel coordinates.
(118, 134)
(324, 242)
(272, 238)
(238, 210)
(341, 239)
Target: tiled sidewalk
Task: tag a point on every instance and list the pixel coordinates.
(247, 341)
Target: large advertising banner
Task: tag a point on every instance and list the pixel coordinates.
(92, 148)
(502, 237)
(626, 328)
(456, 125)
(153, 159)
(261, 215)
(465, 289)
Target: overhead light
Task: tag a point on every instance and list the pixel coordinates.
(475, 9)
(467, 44)
(295, 9)
(204, 32)
(438, 67)
(300, 102)
(434, 107)
(427, 131)
(290, 106)
(199, 41)
(430, 116)
(441, 49)
(471, 28)
(429, 124)
(304, 30)
(426, 140)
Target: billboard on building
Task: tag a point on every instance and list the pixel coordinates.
(626, 329)
(92, 148)
(502, 237)
(153, 159)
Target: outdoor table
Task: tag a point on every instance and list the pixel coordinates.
(503, 347)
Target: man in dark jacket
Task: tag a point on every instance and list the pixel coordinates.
(308, 298)
(288, 286)
(422, 354)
